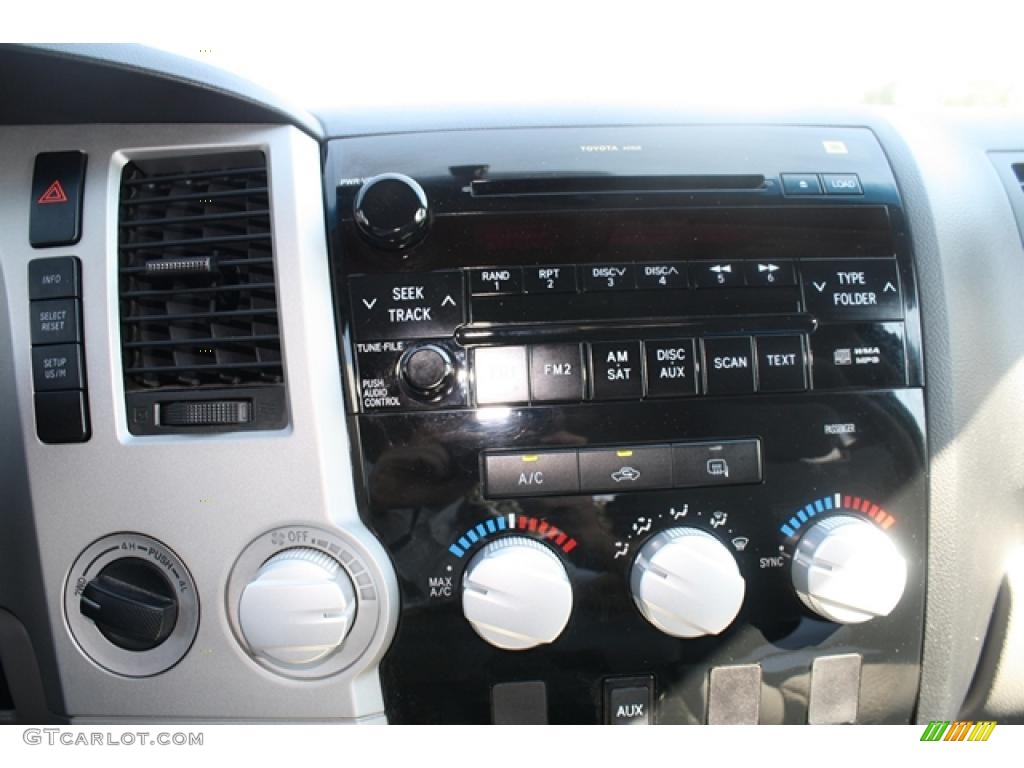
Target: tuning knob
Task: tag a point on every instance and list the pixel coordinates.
(427, 370)
(516, 594)
(299, 607)
(391, 210)
(848, 571)
(132, 604)
(686, 583)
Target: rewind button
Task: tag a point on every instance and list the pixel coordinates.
(717, 274)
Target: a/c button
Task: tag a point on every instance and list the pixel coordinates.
(543, 473)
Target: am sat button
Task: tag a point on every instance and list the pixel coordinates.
(541, 473)
(732, 462)
(630, 468)
(616, 370)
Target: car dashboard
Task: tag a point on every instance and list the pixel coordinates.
(625, 416)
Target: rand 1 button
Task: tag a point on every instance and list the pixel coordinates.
(55, 321)
(496, 281)
(56, 278)
(616, 370)
(608, 277)
(670, 368)
(629, 468)
(556, 372)
(728, 366)
(731, 462)
(500, 375)
(662, 276)
(768, 273)
(541, 473)
(857, 356)
(852, 289)
(550, 279)
(717, 274)
(407, 306)
(57, 366)
(781, 364)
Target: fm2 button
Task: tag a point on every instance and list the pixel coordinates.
(386, 307)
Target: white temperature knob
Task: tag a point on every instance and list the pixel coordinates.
(686, 583)
(516, 594)
(848, 571)
(299, 608)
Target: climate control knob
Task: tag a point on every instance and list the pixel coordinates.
(686, 583)
(392, 212)
(848, 570)
(299, 607)
(516, 594)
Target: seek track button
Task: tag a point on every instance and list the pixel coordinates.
(420, 306)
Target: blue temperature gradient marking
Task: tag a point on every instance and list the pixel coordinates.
(476, 533)
(791, 526)
(455, 550)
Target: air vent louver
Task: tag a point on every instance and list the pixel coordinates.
(197, 289)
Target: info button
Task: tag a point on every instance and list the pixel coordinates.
(543, 473)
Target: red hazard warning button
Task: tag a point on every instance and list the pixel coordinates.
(54, 194)
(56, 217)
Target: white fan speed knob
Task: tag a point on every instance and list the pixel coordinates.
(299, 608)
(848, 571)
(686, 583)
(516, 594)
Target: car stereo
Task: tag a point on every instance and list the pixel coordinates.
(639, 418)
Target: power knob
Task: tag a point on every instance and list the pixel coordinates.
(847, 570)
(299, 607)
(516, 594)
(427, 370)
(392, 212)
(686, 583)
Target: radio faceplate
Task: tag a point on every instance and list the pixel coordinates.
(691, 348)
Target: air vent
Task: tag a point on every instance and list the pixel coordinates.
(1018, 170)
(199, 321)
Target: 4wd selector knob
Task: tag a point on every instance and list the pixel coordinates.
(299, 608)
(516, 594)
(132, 604)
(686, 583)
(392, 212)
(848, 571)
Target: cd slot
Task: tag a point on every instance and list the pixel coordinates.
(634, 305)
(611, 184)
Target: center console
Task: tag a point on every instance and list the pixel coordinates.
(638, 416)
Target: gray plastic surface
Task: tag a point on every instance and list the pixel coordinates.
(206, 497)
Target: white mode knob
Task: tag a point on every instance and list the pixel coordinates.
(516, 594)
(299, 608)
(686, 583)
(848, 570)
